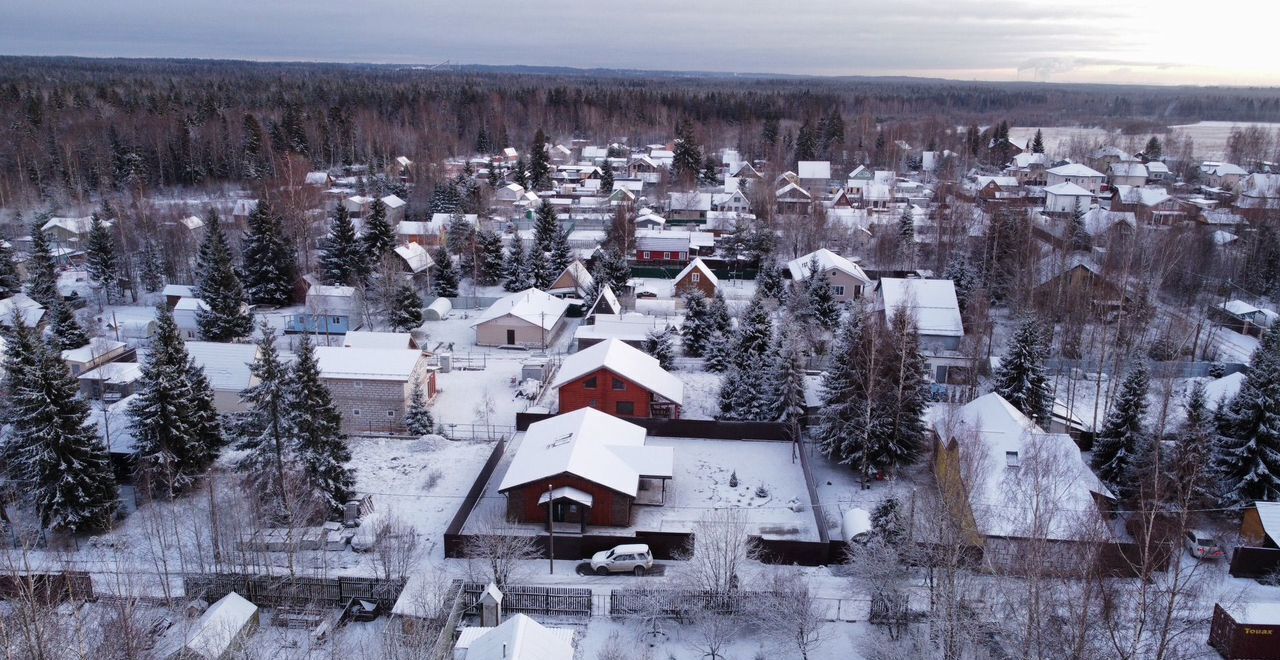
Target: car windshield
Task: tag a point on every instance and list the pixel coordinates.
(1206, 543)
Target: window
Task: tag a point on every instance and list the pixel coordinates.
(666, 255)
(1011, 459)
(337, 320)
(646, 254)
(619, 384)
(355, 412)
(838, 289)
(589, 383)
(626, 408)
(695, 277)
(391, 413)
(357, 385)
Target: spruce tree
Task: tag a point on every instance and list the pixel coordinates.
(686, 163)
(1193, 457)
(343, 259)
(516, 269)
(718, 312)
(822, 300)
(561, 254)
(1153, 151)
(1249, 456)
(1037, 143)
(520, 173)
(226, 318)
(267, 260)
(406, 309)
(612, 269)
(659, 346)
(606, 178)
(151, 266)
(1123, 435)
(907, 228)
(540, 271)
(417, 418)
(888, 521)
(539, 163)
(315, 432)
(10, 282)
(42, 271)
(769, 282)
(65, 332)
(695, 332)
(963, 276)
(846, 400)
(206, 437)
(545, 228)
(100, 258)
(789, 380)
(896, 427)
(490, 266)
(1021, 379)
(719, 353)
(1078, 233)
(730, 390)
(263, 431)
(446, 274)
(755, 333)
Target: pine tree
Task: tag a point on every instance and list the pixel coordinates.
(539, 163)
(719, 353)
(1153, 151)
(561, 254)
(225, 318)
(65, 332)
(42, 271)
(545, 228)
(490, 269)
(520, 173)
(495, 175)
(540, 269)
(267, 260)
(100, 258)
(406, 309)
(731, 386)
(963, 275)
(695, 333)
(658, 345)
(1037, 143)
(896, 426)
(789, 379)
(846, 400)
(822, 300)
(907, 229)
(611, 269)
(1021, 379)
(315, 432)
(446, 274)
(516, 269)
(206, 434)
(343, 260)
(378, 239)
(255, 163)
(686, 163)
(769, 282)
(459, 235)
(168, 427)
(1122, 435)
(718, 312)
(1193, 456)
(606, 178)
(263, 431)
(66, 468)
(1249, 457)
(417, 418)
(10, 282)
(888, 521)
(756, 332)
(151, 267)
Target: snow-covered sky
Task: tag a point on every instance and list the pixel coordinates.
(1171, 41)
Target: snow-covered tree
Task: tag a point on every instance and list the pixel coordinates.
(658, 344)
(822, 300)
(755, 333)
(1037, 143)
(267, 260)
(151, 266)
(42, 270)
(417, 418)
(1249, 456)
(343, 260)
(539, 173)
(100, 258)
(1123, 434)
(846, 399)
(1191, 468)
(730, 391)
(378, 240)
(315, 432)
(516, 269)
(606, 178)
(64, 465)
(888, 521)
(10, 282)
(718, 312)
(65, 332)
(540, 269)
(900, 394)
(561, 254)
(406, 309)
(963, 275)
(545, 227)
(226, 318)
(489, 266)
(907, 227)
(446, 279)
(695, 332)
(612, 269)
(1021, 378)
(263, 431)
(789, 384)
(686, 164)
(719, 353)
(769, 281)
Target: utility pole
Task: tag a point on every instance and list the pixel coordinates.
(551, 532)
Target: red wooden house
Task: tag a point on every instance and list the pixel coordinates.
(619, 379)
(584, 468)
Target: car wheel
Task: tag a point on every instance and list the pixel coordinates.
(639, 571)
(602, 571)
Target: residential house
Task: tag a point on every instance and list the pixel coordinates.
(372, 387)
(1158, 172)
(814, 174)
(110, 382)
(999, 189)
(697, 276)
(857, 181)
(1151, 205)
(1223, 176)
(221, 632)
(29, 311)
(1029, 169)
(415, 258)
(395, 209)
(1100, 222)
(647, 219)
(877, 197)
(417, 231)
(688, 207)
(174, 292)
(1011, 486)
(1128, 173)
(847, 279)
(1259, 198)
(574, 281)
(1104, 157)
(645, 169)
(632, 329)
(584, 468)
(1244, 318)
(510, 193)
(1067, 198)
(620, 379)
(69, 233)
(606, 303)
(372, 339)
(792, 199)
(529, 318)
(227, 368)
(329, 310)
(97, 352)
(1079, 174)
(1068, 281)
(186, 315)
(933, 305)
(659, 247)
(319, 179)
(517, 638)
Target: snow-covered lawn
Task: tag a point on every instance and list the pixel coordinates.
(839, 488)
(701, 394)
(841, 641)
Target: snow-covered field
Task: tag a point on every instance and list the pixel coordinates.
(701, 394)
(1210, 137)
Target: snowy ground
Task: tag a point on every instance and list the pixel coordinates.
(701, 393)
(839, 488)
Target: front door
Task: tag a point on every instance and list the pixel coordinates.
(566, 511)
(511, 338)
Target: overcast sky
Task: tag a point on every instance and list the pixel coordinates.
(1181, 41)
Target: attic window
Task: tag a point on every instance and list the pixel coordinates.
(1011, 459)
(560, 440)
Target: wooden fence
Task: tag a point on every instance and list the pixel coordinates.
(689, 428)
(47, 588)
(1253, 562)
(546, 601)
(679, 603)
(453, 539)
(283, 591)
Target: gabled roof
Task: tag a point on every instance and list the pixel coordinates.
(1142, 195)
(1128, 168)
(531, 305)
(96, 348)
(394, 364)
(792, 188)
(933, 302)
(393, 202)
(861, 172)
(813, 169)
(1067, 189)
(1077, 170)
(371, 339)
(73, 225)
(415, 257)
(702, 268)
(575, 278)
(624, 360)
(217, 629)
(1224, 389)
(581, 443)
(29, 310)
(827, 260)
(1098, 220)
(517, 638)
(226, 365)
(605, 303)
(746, 170)
(1269, 516)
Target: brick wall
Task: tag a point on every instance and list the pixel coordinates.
(575, 395)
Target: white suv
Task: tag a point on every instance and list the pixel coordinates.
(632, 558)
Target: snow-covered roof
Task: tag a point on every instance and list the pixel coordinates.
(416, 228)
(531, 305)
(1220, 237)
(814, 169)
(860, 172)
(226, 365)
(631, 327)
(1029, 158)
(1226, 169)
(517, 638)
(415, 257)
(657, 240)
(1269, 516)
(114, 373)
(1223, 389)
(581, 443)
(1077, 170)
(624, 360)
(827, 260)
(701, 267)
(213, 634)
(610, 301)
(342, 362)
(689, 201)
(190, 305)
(179, 290)
(790, 188)
(575, 279)
(330, 299)
(1256, 613)
(28, 310)
(1098, 220)
(1002, 181)
(317, 178)
(1010, 446)
(1128, 168)
(73, 225)
(371, 339)
(1067, 189)
(1144, 195)
(933, 302)
(191, 222)
(393, 202)
(96, 348)
(1239, 307)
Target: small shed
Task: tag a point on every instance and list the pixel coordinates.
(439, 310)
(219, 631)
(1246, 631)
